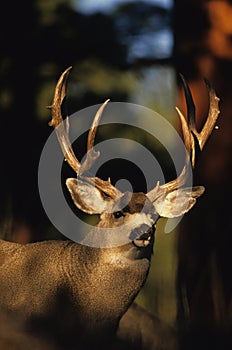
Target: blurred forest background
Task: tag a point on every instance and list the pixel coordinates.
(130, 51)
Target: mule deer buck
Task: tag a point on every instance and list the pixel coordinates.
(74, 296)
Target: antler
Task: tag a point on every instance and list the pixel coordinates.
(62, 132)
(192, 138)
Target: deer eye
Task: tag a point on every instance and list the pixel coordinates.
(118, 214)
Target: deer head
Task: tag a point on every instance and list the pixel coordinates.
(136, 212)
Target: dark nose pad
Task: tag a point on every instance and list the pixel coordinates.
(145, 239)
(139, 231)
(150, 232)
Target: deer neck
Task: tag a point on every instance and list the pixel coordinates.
(106, 281)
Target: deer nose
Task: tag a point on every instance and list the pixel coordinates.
(144, 236)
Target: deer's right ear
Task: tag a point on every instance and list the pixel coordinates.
(86, 197)
(178, 202)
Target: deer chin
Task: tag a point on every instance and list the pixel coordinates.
(140, 248)
(142, 243)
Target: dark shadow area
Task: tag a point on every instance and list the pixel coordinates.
(203, 50)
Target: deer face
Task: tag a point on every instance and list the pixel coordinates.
(135, 211)
(132, 213)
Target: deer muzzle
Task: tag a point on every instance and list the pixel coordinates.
(143, 236)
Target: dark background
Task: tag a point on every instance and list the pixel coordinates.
(109, 52)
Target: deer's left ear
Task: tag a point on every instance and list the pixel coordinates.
(86, 197)
(177, 202)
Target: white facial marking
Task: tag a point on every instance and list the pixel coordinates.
(141, 218)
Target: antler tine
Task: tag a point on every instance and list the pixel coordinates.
(191, 110)
(92, 155)
(57, 122)
(93, 129)
(189, 126)
(212, 116)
